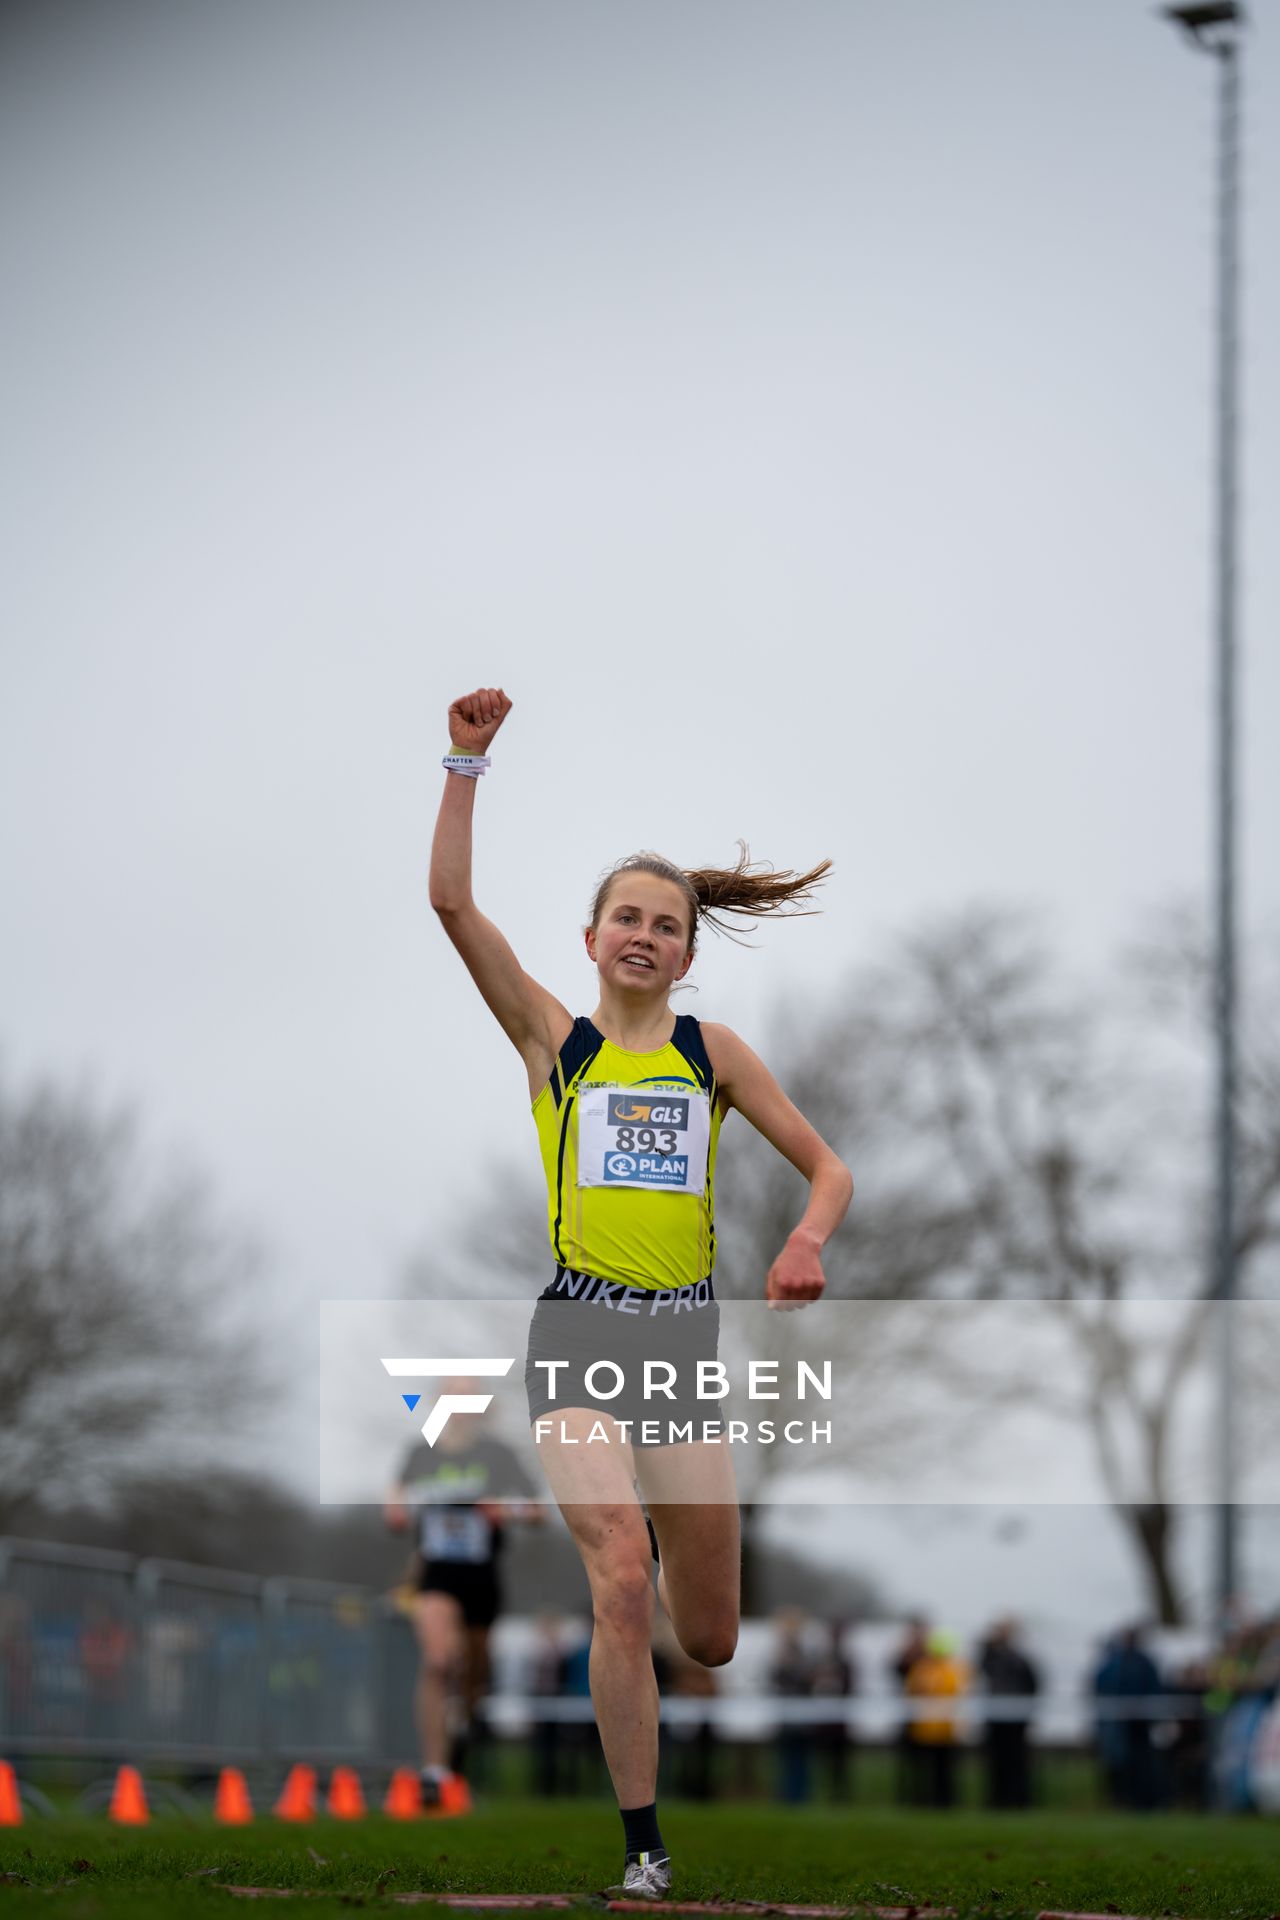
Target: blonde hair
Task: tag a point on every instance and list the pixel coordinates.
(749, 890)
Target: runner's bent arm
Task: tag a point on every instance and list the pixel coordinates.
(532, 1019)
(747, 1084)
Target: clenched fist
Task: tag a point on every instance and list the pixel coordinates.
(474, 718)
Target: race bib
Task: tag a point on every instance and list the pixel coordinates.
(456, 1533)
(643, 1137)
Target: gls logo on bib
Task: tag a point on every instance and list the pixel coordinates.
(626, 1110)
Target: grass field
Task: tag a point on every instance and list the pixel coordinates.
(1008, 1865)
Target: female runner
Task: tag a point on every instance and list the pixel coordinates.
(633, 1230)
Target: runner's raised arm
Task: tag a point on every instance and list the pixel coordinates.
(532, 1019)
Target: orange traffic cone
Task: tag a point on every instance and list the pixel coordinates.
(232, 1805)
(404, 1795)
(346, 1798)
(10, 1799)
(455, 1794)
(129, 1800)
(298, 1798)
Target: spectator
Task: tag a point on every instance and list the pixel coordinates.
(791, 1678)
(1189, 1752)
(936, 1678)
(1245, 1674)
(1108, 1734)
(1126, 1679)
(915, 1639)
(1007, 1672)
(834, 1678)
(543, 1683)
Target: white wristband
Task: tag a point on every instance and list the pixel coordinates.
(471, 764)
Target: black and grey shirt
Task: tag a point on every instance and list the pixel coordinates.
(445, 1487)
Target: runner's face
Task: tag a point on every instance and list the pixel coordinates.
(641, 945)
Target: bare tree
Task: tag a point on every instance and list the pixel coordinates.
(1049, 1144)
(896, 1244)
(121, 1353)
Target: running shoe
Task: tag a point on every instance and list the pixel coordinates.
(646, 1878)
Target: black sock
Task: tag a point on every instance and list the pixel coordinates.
(641, 1827)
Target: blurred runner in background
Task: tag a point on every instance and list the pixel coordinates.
(458, 1495)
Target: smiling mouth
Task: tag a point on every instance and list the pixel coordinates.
(635, 960)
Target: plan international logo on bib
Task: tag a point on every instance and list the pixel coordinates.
(655, 1169)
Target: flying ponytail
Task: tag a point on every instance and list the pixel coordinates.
(750, 890)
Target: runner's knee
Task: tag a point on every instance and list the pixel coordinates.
(622, 1596)
(711, 1644)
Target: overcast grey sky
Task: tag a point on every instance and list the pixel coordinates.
(804, 410)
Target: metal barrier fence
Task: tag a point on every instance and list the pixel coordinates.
(110, 1657)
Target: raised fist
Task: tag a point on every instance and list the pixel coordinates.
(474, 718)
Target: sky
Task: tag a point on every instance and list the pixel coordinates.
(804, 411)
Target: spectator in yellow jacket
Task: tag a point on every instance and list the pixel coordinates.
(936, 1677)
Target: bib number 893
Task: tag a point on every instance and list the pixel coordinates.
(646, 1140)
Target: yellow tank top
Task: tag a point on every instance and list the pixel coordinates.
(631, 1176)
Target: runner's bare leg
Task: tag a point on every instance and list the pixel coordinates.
(597, 1497)
(438, 1624)
(693, 1503)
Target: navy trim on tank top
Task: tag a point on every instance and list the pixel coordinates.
(577, 1053)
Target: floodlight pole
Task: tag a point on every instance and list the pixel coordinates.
(1216, 29)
